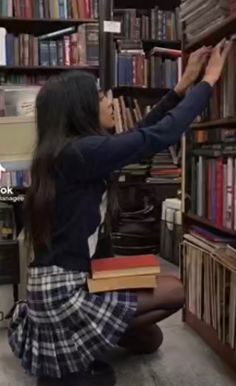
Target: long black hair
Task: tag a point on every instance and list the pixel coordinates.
(67, 106)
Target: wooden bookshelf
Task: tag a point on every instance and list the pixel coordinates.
(212, 336)
(209, 335)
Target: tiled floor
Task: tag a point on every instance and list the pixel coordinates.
(183, 360)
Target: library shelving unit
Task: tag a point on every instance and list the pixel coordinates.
(131, 191)
(201, 326)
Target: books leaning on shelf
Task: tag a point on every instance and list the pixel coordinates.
(119, 273)
(153, 24)
(213, 178)
(47, 9)
(209, 274)
(160, 68)
(200, 17)
(16, 179)
(68, 47)
(223, 101)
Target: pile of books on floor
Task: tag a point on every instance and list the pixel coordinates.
(209, 273)
(130, 272)
(201, 17)
(164, 169)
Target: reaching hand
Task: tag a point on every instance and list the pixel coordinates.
(217, 61)
(196, 62)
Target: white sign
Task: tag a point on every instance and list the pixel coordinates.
(112, 27)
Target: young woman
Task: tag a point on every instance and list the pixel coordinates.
(62, 331)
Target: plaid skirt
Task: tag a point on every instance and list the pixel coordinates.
(62, 328)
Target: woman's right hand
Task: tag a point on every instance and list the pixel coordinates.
(217, 61)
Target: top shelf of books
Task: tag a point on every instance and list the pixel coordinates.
(163, 4)
(45, 15)
(208, 23)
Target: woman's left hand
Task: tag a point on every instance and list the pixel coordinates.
(196, 62)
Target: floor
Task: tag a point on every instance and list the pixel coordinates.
(183, 360)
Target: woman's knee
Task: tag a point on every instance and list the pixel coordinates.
(171, 292)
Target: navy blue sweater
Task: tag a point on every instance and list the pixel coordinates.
(86, 164)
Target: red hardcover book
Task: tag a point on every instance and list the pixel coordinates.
(125, 266)
(81, 9)
(219, 192)
(87, 9)
(74, 49)
(67, 50)
(209, 179)
(28, 9)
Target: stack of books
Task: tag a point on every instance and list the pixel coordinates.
(201, 17)
(120, 273)
(164, 169)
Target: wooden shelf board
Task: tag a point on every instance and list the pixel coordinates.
(227, 354)
(225, 122)
(143, 91)
(147, 184)
(163, 4)
(205, 222)
(148, 44)
(38, 69)
(39, 26)
(225, 29)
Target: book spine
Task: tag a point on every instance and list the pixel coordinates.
(229, 209)
(87, 9)
(60, 52)
(62, 9)
(209, 190)
(44, 53)
(213, 191)
(235, 194)
(41, 9)
(67, 50)
(66, 9)
(28, 9)
(219, 192)
(53, 53)
(74, 7)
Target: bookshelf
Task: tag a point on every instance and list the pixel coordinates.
(208, 264)
(133, 192)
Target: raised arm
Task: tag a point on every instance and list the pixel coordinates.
(95, 157)
(195, 64)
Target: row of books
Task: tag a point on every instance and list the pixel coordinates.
(153, 24)
(47, 9)
(214, 137)
(209, 266)
(22, 79)
(213, 189)
(78, 47)
(159, 69)
(200, 17)
(15, 179)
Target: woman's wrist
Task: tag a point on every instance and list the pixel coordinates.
(209, 79)
(182, 86)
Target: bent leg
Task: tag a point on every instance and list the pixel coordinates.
(153, 306)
